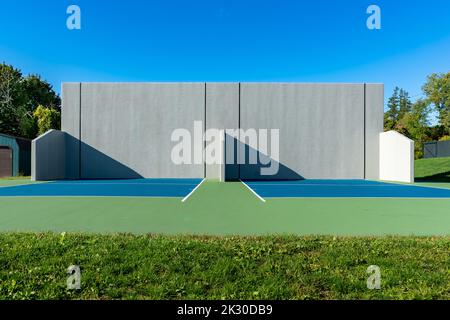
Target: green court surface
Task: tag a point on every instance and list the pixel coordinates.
(227, 209)
(15, 182)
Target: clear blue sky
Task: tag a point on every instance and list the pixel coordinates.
(229, 40)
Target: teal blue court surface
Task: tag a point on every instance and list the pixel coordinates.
(160, 188)
(266, 189)
(342, 189)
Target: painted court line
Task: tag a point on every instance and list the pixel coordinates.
(90, 196)
(253, 191)
(122, 184)
(321, 185)
(349, 197)
(190, 193)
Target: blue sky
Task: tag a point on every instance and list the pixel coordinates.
(228, 40)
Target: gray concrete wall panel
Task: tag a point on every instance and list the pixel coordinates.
(321, 128)
(374, 123)
(70, 123)
(126, 128)
(222, 112)
(123, 130)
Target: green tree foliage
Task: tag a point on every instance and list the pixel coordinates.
(414, 124)
(398, 105)
(437, 91)
(11, 98)
(412, 119)
(391, 115)
(19, 97)
(46, 119)
(404, 103)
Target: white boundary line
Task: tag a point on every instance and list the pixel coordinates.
(190, 193)
(102, 197)
(253, 191)
(354, 198)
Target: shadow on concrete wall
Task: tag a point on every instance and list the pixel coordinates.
(253, 171)
(89, 163)
(86, 162)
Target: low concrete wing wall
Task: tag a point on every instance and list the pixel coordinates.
(48, 156)
(396, 157)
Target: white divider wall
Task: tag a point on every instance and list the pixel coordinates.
(396, 157)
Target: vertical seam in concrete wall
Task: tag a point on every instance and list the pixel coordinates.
(238, 153)
(365, 131)
(79, 137)
(204, 137)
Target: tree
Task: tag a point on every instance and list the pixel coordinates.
(47, 118)
(391, 115)
(11, 97)
(39, 92)
(415, 125)
(437, 91)
(404, 103)
(19, 98)
(398, 105)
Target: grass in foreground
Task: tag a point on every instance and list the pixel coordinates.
(33, 266)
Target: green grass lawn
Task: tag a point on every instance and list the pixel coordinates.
(434, 172)
(33, 266)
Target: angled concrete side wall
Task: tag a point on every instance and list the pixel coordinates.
(222, 112)
(126, 129)
(48, 156)
(396, 157)
(321, 128)
(374, 126)
(70, 123)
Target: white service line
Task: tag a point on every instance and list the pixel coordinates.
(190, 193)
(253, 191)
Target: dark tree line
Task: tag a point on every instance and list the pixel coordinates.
(20, 97)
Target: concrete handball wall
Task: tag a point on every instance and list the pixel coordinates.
(321, 127)
(374, 124)
(48, 156)
(126, 128)
(222, 112)
(326, 130)
(396, 157)
(70, 124)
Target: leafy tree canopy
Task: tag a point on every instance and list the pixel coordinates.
(19, 97)
(437, 91)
